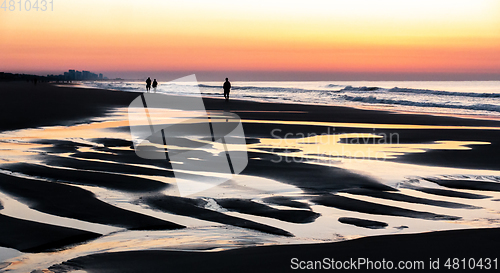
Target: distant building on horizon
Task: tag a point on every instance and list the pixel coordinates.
(75, 75)
(72, 74)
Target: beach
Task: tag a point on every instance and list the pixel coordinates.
(321, 182)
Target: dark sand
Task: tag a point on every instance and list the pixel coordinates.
(314, 179)
(467, 184)
(28, 106)
(363, 222)
(195, 208)
(410, 199)
(105, 166)
(286, 201)
(106, 180)
(113, 142)
(74, 202)
(29, 236)
(441, 245)
(253, 208)
(449, 193)
(25, 105)
(351, 204)
(120, 156)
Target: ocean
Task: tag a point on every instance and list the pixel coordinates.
(470, 98)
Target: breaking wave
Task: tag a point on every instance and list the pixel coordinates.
(334, 94)
(421, 91)
(372, 99)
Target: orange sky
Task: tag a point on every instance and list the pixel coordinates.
(357, 36)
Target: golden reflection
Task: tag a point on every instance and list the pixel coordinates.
(367, 125)
(13, 152)
(92, 150)
(92, 130)
(360, 146)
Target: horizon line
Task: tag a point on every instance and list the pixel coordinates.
(262, 75)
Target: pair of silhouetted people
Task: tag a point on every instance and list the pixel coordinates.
(148, 84)
(227, 89)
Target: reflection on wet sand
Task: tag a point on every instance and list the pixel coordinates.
(335, 187)
(360, 146)
(369, 125)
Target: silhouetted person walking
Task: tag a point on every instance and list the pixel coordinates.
(148, 84)
(227, 88)
(155, 84)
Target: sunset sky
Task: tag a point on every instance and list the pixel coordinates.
(357, 37)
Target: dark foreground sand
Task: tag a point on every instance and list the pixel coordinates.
(26, 106)
(479, 243)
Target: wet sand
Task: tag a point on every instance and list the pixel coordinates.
(54, 186)
(73, 202)
(395, 248)
(25, 105)
(29, 236)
